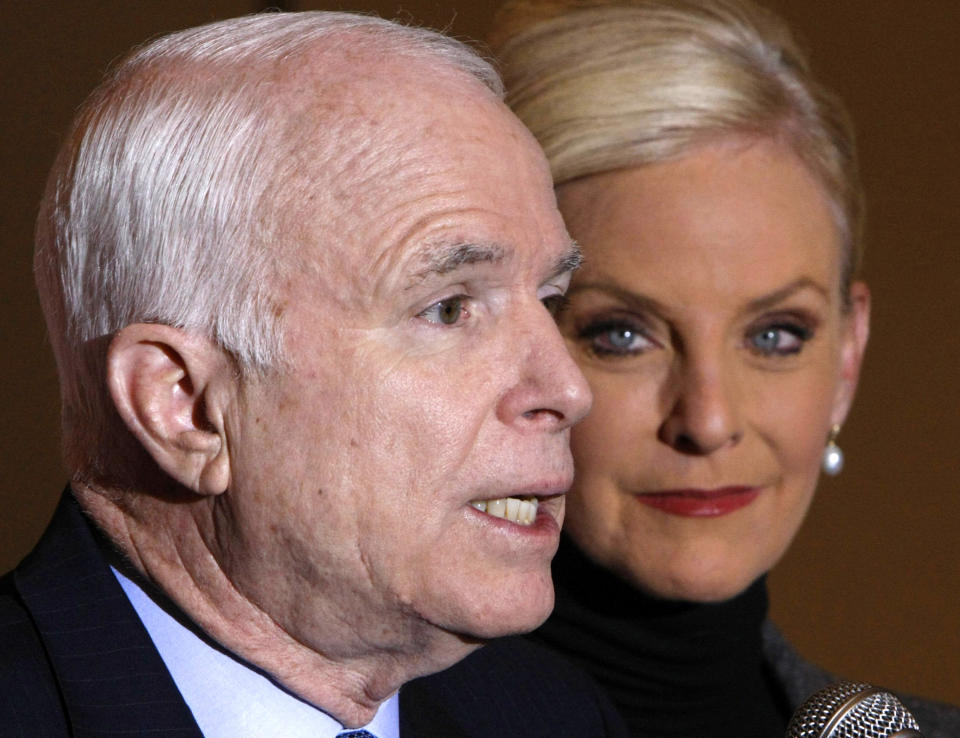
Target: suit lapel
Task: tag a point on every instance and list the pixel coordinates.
(111, 677)
(423, 714)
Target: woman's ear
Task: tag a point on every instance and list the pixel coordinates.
(856, 330)
(170, 388)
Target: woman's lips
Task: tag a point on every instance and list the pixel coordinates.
(700, 503)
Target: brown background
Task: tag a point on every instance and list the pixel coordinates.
(872, 587)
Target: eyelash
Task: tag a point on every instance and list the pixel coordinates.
(434, 310)
(796, 329)
(556, 304)
(594, 331)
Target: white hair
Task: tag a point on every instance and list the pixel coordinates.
(161, 204)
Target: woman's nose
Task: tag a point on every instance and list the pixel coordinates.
(704, 412)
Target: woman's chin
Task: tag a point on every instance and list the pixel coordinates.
(697, 587)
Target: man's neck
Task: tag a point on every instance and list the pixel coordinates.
(227, 696)
(164, 546)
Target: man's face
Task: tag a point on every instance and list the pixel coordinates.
(427, 375)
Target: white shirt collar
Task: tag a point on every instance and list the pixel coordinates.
(228, 698)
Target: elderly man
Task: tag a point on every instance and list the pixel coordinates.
(298, 271)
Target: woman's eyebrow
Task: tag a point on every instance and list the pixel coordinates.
(634, 300)
(777, 296)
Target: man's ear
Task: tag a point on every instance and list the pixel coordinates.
(856, 330)
(169, 387)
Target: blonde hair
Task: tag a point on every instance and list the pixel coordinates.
(609, 84)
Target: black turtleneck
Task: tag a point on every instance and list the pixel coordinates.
(672, 668)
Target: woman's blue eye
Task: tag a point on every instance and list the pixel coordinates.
(621, 338)
(779, 340)
(615, 339)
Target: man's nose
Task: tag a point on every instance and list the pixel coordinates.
(552, 393)
(703, 408)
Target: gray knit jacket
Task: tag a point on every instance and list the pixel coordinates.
(799, 679)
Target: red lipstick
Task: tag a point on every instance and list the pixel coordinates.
(700, 503)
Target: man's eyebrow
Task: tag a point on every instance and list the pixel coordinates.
(438, 260)
(442, 259)
(570, 261)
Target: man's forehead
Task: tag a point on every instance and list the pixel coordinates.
(355, 134)
(364, 81)
(423, 171)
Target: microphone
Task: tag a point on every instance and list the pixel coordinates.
(852, 710)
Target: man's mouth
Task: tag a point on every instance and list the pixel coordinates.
(519, 510)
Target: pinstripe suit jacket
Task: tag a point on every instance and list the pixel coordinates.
(75, 660)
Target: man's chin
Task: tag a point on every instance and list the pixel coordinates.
(505, 615)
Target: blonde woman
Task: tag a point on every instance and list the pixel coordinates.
(712, 184)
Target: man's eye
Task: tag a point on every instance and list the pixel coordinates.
(450, 311)
(555, 304)
(779, 340)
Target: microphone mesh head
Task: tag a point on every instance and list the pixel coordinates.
(851, 710)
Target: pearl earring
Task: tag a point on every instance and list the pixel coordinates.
(832, 462)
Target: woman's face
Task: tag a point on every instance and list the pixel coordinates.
(709, 321)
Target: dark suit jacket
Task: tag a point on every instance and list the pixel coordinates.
(75, 660)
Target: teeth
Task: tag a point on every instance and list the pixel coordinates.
(516, 510)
